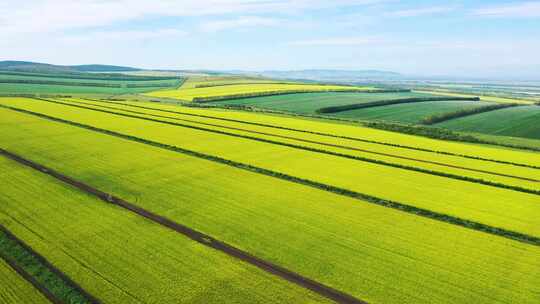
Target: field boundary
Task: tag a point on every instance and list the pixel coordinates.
(43, 263)
(323, 134)
(194, 235)
(388, 102)
(315, 142)
(365, 198)
(316, 150)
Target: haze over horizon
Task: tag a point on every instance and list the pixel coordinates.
(496, 39)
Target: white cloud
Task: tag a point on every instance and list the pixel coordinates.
(40, 16)
(338, 41)
(516, 10)
(114, 36)
(244, 22)
(420, 11)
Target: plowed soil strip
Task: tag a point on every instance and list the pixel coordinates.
(364, 198)
(321, 289)
(315, 150)
(321, 134)
(318, 143)
(44, 263)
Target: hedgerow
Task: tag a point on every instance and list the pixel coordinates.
(380, 103)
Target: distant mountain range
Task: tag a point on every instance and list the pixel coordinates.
(36, 67)
(310, 75)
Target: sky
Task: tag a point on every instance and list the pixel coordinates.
(496, 38)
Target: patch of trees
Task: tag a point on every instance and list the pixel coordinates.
(437, 118)
(380, 103)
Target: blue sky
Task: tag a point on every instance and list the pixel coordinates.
(462, 38)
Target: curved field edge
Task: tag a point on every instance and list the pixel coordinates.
(100, 253)
(379, 248)
(485, 217)
(48, 279)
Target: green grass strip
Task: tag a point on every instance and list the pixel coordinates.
(310, 149)
(55, 285)
(518, 236)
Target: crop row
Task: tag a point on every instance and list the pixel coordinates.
(457, 198)
(282, 123)
(226, 120)
(382, 158)
(406, 207)
(383, 255)
(197, 236)
(430, 120)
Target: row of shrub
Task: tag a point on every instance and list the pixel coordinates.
(437, 118)
(337, 190)
(285, 92)
(380, 103)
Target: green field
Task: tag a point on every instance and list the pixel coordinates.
(29, 83)
(462, 199)
(372, 252)
(516, 122)
(308, 103)
(15, 290)
(361, 133)
(379, 216)
(409, 112)
(419, 159)
(127, 259)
